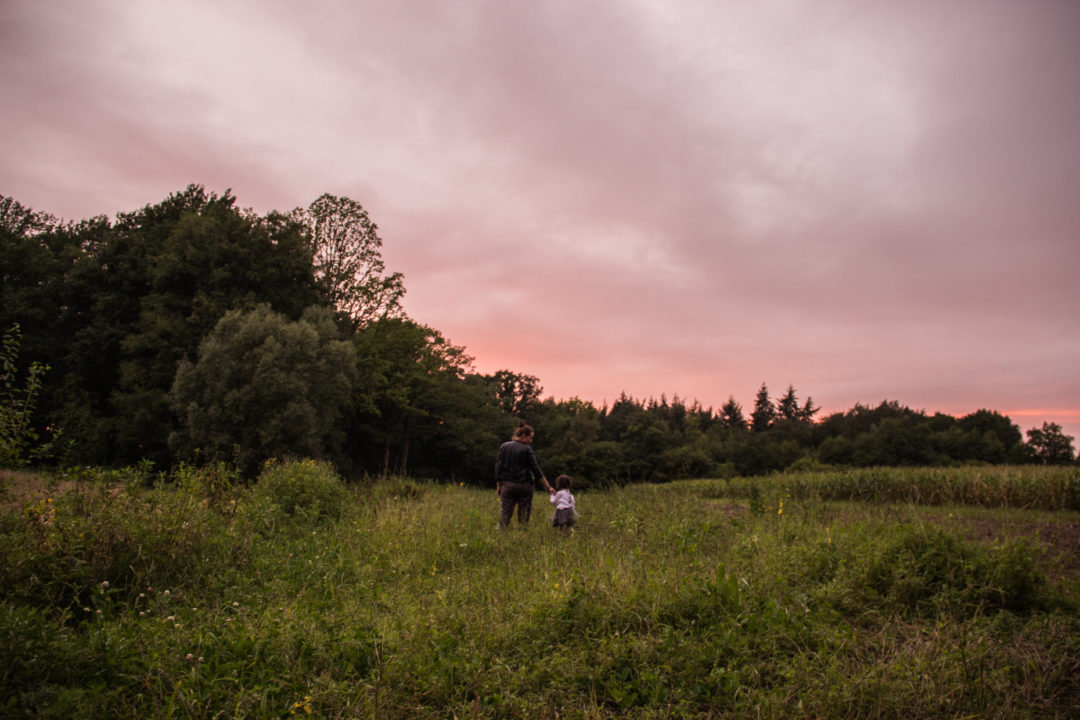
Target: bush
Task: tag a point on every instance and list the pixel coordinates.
(305, 488)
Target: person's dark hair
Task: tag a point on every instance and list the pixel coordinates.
(562, 482)
(522, 431)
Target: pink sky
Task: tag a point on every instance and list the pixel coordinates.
(867, 200)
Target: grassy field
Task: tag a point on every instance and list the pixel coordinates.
(833, 595)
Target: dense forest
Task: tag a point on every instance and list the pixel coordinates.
(194, 331)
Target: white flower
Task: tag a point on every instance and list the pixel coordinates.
(236, 604)
(104, 583)
(189, 656)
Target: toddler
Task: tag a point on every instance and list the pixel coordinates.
(564, 505)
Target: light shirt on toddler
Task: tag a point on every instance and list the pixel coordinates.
(563, 500)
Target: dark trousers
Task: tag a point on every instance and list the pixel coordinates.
(519, 494)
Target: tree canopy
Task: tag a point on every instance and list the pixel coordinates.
(191, 330)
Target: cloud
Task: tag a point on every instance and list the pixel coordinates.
(867, 200)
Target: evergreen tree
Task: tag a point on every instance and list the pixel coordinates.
(764, 412)
(787, 407)
(731, 415)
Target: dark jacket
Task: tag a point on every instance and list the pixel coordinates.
(516, 462)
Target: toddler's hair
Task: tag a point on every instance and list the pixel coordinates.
(562, 482)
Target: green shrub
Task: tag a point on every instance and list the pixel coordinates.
(302, 488)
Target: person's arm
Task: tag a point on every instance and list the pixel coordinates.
(500, 461)
(535, 469)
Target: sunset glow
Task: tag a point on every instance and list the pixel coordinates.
(867, 201)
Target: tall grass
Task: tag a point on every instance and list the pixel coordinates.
(1030, 486)
(690, 599)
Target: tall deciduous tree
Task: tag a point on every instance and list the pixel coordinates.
(1050, 446)
(347, 258)
(406, 373)
(516, 393)
(201, 257)
(264, 386)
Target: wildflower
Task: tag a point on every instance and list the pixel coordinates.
(189, 656)
(86, 609)
(171, 618)
(142, 595)
(104, 583)
(165, 593)
(142, 614)
(200, 659)
(235, 604)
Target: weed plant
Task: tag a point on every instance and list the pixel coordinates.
(195, 596)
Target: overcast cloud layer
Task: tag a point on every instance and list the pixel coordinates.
(868, 200)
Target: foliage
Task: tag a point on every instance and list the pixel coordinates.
(262, 387)
(417, 406)
(18, 438)
(114, 308)
(669, 601)
(731, 415)
(1050, 446)
(96, 548)
(347, 261)
(304, 488)
(764, 411)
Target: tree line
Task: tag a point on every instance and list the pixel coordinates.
(195, 331)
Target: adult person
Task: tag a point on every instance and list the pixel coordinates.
(516, 470)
